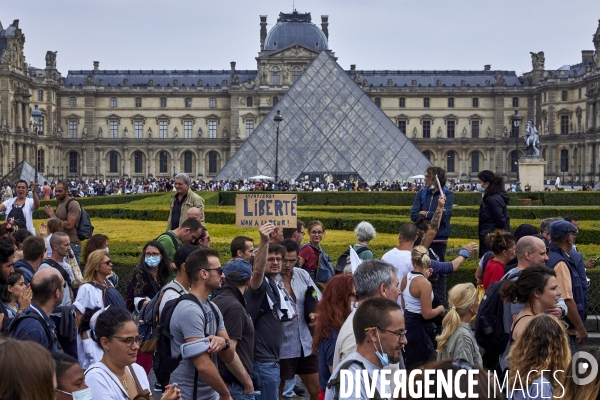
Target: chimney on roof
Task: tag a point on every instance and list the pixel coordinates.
(352, 67)
(96, 65)
(487, 67)
(325, 25)
(263, 31)
(587, 56)
(232, 63)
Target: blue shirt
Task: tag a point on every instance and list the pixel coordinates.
(30, 329)
(326, 351)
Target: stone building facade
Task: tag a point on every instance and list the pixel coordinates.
(139, 123)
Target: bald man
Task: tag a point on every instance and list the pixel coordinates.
(34, 323)
(194, 212)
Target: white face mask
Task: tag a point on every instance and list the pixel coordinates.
(83, 394)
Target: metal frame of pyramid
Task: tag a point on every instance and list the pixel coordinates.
(25, 171)
(330, 127)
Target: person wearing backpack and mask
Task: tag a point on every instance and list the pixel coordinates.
(380, 337)
(21, 208)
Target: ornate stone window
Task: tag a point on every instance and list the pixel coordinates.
(450, 102)
(40, 127)
(249, 126)
(402, 126)
(163, 161)
(402, 102)
(565, 95)
(113, 102)
(451, 161)
(427, 155)
(213, 158)
(426, 129)
(187, 162)
(475, 129)
(73, 162)
(187, 128)
(138, 129)
(514, 156)
(40, 95)
(113, 129)
(475, 161)
(475, 102)
(73, 101)
(249, 101)
(212, 102)
(296, 72)
(515, 102)
(138, 161)
(564, 160)
(378, 101)
(426, 102)
(451, 128)
(188, 102)
(41, 155)
(275, 100)
(72, 128)
(113, 162)
(163, 102)
(162, 129)
(212, 129)
(564, 124)
(138, 102)
(275, 76)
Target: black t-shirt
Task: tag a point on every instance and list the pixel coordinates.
(238, 325)
(268, 330)
(176, 211)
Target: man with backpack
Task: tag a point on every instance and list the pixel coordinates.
(193, 319)
(69, 212)
(34, 323)
(189, 231)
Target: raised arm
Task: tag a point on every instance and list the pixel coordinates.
(260, 259)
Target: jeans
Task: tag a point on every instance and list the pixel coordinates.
(76, 250)
(237, 392)
(269, 379)
(288, 388)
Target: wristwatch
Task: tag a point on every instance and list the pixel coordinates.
(226, 344)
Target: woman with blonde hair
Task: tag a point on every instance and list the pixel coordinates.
(417, 298)
(543, 347)
(457, 340)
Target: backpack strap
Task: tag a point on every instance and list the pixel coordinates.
(60, 269)
(334, 382)
(157, 308)
(11, 329)
(173, 238)
(67, 210)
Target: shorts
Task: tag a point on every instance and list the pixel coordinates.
(299, 365)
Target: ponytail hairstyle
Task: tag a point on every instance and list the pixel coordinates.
(420, 257)
(500, 240)
(496, 182)
(460, 298)
(530, 281)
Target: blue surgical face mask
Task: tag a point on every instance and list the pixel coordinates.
(152, 261)
(383, 358)
(480, 188)
(432, 187)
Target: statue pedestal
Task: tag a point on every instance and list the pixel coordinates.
(531, 172)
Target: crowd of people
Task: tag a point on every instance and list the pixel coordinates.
(280, 309)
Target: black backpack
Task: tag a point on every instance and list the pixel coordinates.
(164, 363)
(31, 314)
(342, 260)
(173, 239)
(17, 213)
(489, 325)
(85, 229)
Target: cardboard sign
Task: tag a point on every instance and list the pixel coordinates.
(254, 210)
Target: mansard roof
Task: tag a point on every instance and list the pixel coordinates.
(430, 78)
(295, 28)
(158, 77)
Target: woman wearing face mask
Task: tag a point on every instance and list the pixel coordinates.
(493, 212)
(116, 376)
(457, 340)
(150, 275)
(338, 301)
(70, 381)
(417, 298)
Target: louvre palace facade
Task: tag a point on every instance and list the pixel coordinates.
(154, 123)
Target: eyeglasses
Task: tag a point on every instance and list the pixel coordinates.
(129, 340)
(152, 254)
(107, 262)
(274, 259)
(219, 270)
(399, 334)
(301, 232)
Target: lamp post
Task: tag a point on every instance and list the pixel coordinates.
(516, 121)
(579, 178)
(277, 118)
(36, 114)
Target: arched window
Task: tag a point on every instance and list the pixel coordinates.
(187, 162)
(427, 155)
(212, 162)
(138, 159)
(450, 161)
(564, 160)
(275, 77)
(475, 161)
(113, 161)
(73, 162)
(40, 160)
(163, 162)
(188, 102)
(296, 72)
(378, 101)
(514, 159)
(113, 102)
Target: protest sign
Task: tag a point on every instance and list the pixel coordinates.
(254, 210)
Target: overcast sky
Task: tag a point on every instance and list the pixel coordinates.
(374, 34)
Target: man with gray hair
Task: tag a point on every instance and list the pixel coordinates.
(545, 226)
(183, 199)
(373, 278)
(365, 232)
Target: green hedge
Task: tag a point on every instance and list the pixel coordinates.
(406, 198)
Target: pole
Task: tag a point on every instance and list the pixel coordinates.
(516, 133)
(277, 154)
(36, 153)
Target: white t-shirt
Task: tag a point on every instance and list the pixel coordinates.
(401, 260)
(67, 292)
(107, 386)
(88, 296)
(27, 211)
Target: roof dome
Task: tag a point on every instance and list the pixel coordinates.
(295, 28)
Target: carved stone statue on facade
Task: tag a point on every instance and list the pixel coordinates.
(262, 74)
(390, 82)
(51, 59)
(505, 131)
(237, 132)
(357, 78)
(225, 132)
(85, 131)
(365, 82)
(532, 140)
(125, 132)
(242, 101)
(537, 60)
(59, 132)
(3, 123)
(200, 83)
(439, 132)
(199, 132)
(464, 132)
(235, 79)
(249, 84)
(499, 80)
(415, 132)
(89, 80)
(489, 132)
(149, 132)
(285, 73)
(100, 132)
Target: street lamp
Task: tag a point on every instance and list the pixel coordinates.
(277, 118)
(516, 121)
(36, 114)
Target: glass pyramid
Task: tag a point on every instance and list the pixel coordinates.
(23, 170)
(330, 127)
